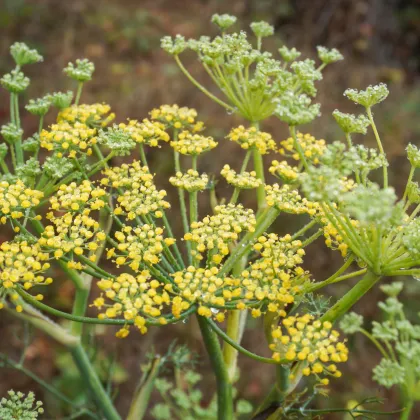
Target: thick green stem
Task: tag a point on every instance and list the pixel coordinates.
(351, 297)
(407, 410)
(79, 308)
(90, 377)
(224, 388)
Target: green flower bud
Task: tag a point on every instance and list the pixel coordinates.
(393, 289)
(61, 100)
(15, 81)
(19, 406)
(413, 154)
(39, 106)
(371, 96)
(82, 71)
(306, 70)
(351, 323)
(329, 56)
(262, 29)
(22, 54)
(391, 306)
(3, 151)
(11, 133)
(413, 192)
(389, 373)
(289, 54)
(31, 144)
(28, 171)
(224, 21)
(384, 331)
(372, 205)
(173, 46)
(296, 109)
(57, 167)
(117, 140)
(350, 123)
(411, 238)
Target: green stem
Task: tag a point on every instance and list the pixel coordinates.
(183, 207)
(45, 385)
(224, 388)
(18, 144)
(41, 124)
(171, 235)
(200, 87)
(12, 109)
(4, 167)
(143, 155)
(144, 390)
(378, 140)
(410, 177)
(407, 410)
(90, 377)
(78, 93)
(351, 297)
(375, 342)
(298, 147)
(259, 169)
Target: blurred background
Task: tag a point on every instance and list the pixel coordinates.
(381, 43)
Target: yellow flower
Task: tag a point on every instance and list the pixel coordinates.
(192, 144)
(303, 338)
(176, 117)
(244, 180)
(288, 174)
(251, 138)
(78, 197)
(138, 245)
(137, 193)
(289, 200)
(190, 181)
(95, 115)
(24, 264)
(135, 298)
(312, 148)
(147, 132)
(16, 198)
(215, 233)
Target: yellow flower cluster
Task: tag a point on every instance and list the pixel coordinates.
(215, 233)
(289, 200)
(302, 338)
(68, 139)
(249, 138)
(139, 245)
(203, 286)
(177, 117)
(22, 263)
(312, 148)
(137, 298)
(77, 197)
(192, 144)
(244, 180)
(147, 132)
(72, 233)
(95, 115)
(288, 174)
(275, 277)
(15, 198)
(137, 192)
(190, 181)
